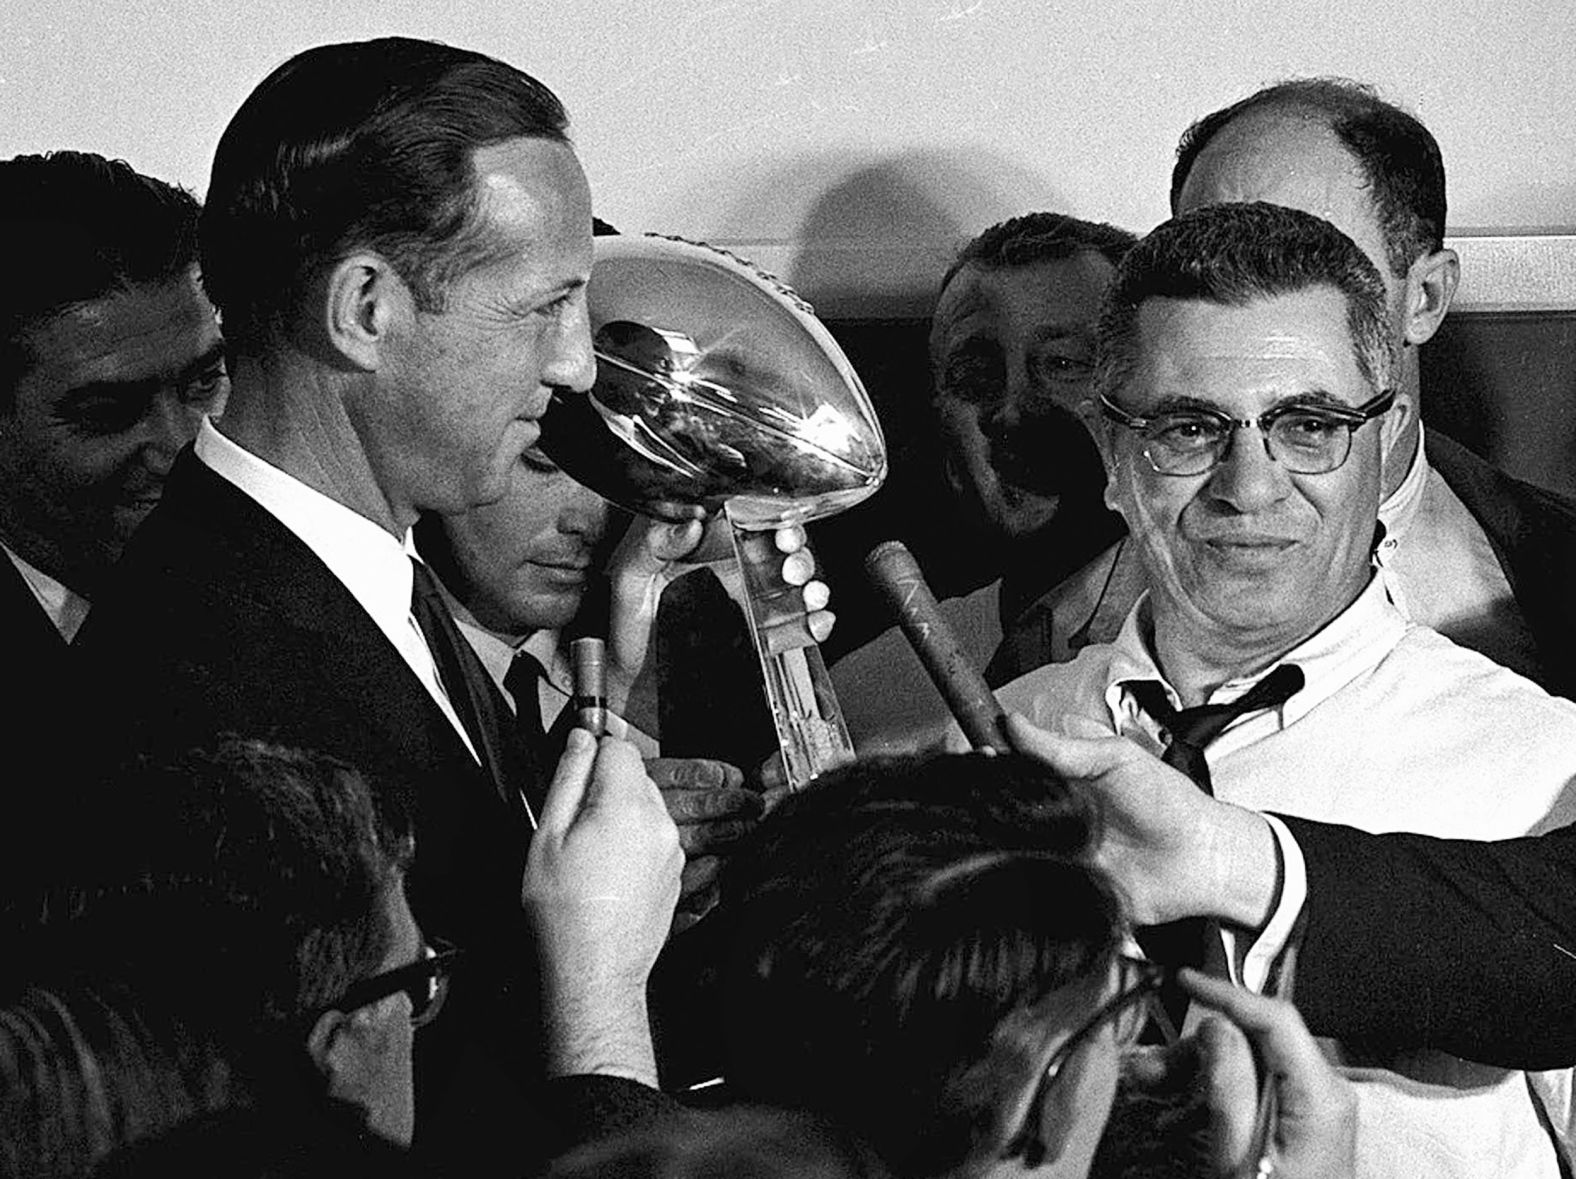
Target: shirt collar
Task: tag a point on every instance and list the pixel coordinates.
(497, 649)
(1343, 649)
(1402, 506)
(64, 607)
(371, 563)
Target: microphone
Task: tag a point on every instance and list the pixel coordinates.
(896, 576)
(587, 657)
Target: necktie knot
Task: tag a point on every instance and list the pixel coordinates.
(1190, 730)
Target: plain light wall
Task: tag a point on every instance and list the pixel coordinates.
(850, 145)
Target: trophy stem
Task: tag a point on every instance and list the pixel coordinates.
(804, 708)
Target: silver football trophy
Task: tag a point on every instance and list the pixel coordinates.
(717, 386)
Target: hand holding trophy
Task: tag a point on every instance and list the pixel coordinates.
(717, 387)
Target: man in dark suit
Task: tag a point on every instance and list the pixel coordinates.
(109, 357)
(398, 238)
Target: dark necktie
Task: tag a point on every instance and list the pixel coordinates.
(465, 681)
(524, 674)
(1195, 941)
(1190, 730)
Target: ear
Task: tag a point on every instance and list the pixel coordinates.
(1430, 286)
(1103, 434)
(1394, 425)
(337, 1046)
(365, 304)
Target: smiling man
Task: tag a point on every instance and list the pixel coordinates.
(398, 238)
(1247, 415)
(1012, 345)
(109, 358)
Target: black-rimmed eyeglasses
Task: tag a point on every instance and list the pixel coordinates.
(425, 981)
(1134, 1006)
(1305, 439)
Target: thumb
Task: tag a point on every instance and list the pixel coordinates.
(618, 779)
(567, 791)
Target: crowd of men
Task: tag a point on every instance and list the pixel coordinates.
(323, 877)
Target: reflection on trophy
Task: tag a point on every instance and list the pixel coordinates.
(716, 386)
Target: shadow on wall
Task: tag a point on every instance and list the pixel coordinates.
(874, 237)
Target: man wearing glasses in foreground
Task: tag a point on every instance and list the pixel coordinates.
(1245, 416)
(251, 900)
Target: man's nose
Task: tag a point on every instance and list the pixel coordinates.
(572, 364)
(585, 516)
(168, 425)
(1006, 413)
(1247, 478)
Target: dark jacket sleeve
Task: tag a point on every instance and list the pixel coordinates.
(1464, 946)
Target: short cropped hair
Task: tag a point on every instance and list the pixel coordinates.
(1399, 158)
(365, 145)
(1235, 254)
(245, 888)
(79, 227)
(888, 923)
(1040, 237)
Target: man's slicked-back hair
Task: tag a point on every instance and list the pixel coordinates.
(1399, 158)
(79, 227)
(1233, 255)
(1040, 237)
(894, 926)
(365, 145)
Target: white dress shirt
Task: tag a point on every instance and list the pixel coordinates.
(1396, 729)
(370, 562)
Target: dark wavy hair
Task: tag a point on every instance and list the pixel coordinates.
(79, 227)
(1234, 254)
(366, 145)
(887, 926)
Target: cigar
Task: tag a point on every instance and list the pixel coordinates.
(896, 575)
(588, 658)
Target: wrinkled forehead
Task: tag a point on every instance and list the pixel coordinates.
(1264, 349)
(145, 333)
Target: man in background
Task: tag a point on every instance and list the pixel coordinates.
(1011, 355)
(109, 357)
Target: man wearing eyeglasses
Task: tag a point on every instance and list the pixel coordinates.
(1246, 415)
(252, 900)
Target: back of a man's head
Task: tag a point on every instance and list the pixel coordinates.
(351, 146)
(895, 926)
(243, 889)
(1398, 158)
(1235, 254)
(79, 227)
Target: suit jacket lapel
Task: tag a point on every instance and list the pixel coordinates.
(269, 569)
